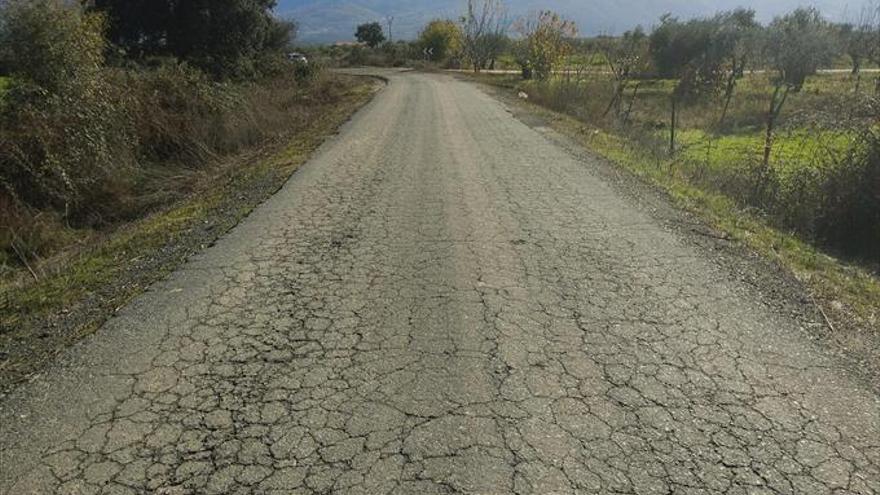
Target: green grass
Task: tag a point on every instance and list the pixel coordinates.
(791, 150)
(4, 84)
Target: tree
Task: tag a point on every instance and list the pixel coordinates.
(371, 34)
(624, 56)
(441, 38)
(140, 27)
(546, 36)
(223, 37)
(737, 42)
(871, 21)
(857, 41)
(685, 52)
(519, 48)
(483, 27)
(797, 45)
(494, 44)
(389, 21)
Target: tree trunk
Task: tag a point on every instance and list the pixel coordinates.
(775, 108)
(728, 96)
(857, 72)
(620, 87)
(632, 102)
(672, 128)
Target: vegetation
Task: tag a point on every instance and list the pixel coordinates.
(370, 34)
(544, 44)
(736, 121)
(227, 38)
(106, 118)
(484, 33)
(90, 283)
(441, 40)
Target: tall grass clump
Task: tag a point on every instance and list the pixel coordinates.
(849, 216)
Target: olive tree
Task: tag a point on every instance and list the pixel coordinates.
(797, 45)
(872, 26)
(736, 42)
(859, 41)
(683, 52)
(224, 37)
(370, 33)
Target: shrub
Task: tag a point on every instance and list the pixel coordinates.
(83, 145)
(64, 137)
(849, 217)
(173, 104)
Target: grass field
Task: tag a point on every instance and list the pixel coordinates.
(808, 133)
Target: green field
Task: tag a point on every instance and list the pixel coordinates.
(701, 136)
(792, 150)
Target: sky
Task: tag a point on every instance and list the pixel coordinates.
(334, 20)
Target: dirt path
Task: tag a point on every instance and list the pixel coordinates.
(443, 300)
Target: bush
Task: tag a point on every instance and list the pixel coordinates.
(849, 217)
(64, 138)
(174, 105)
(83, 145)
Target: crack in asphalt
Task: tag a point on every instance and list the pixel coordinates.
(444, 301)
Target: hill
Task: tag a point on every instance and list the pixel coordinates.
(335, 20)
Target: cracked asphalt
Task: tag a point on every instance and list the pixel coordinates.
(443, 300)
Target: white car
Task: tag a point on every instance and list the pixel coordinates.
(298, 58)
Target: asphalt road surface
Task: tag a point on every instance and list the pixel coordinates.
(443, 300)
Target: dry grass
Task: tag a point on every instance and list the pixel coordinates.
(174, 199)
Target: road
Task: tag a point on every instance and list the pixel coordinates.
(445, 300)
(593, 71)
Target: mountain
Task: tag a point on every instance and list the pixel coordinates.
(324, 21)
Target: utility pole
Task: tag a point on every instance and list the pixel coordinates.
(390, 21)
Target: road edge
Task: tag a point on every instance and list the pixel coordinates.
(181, 231)
(769, 280)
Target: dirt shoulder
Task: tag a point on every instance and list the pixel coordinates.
(41, 318)
(815, 300)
